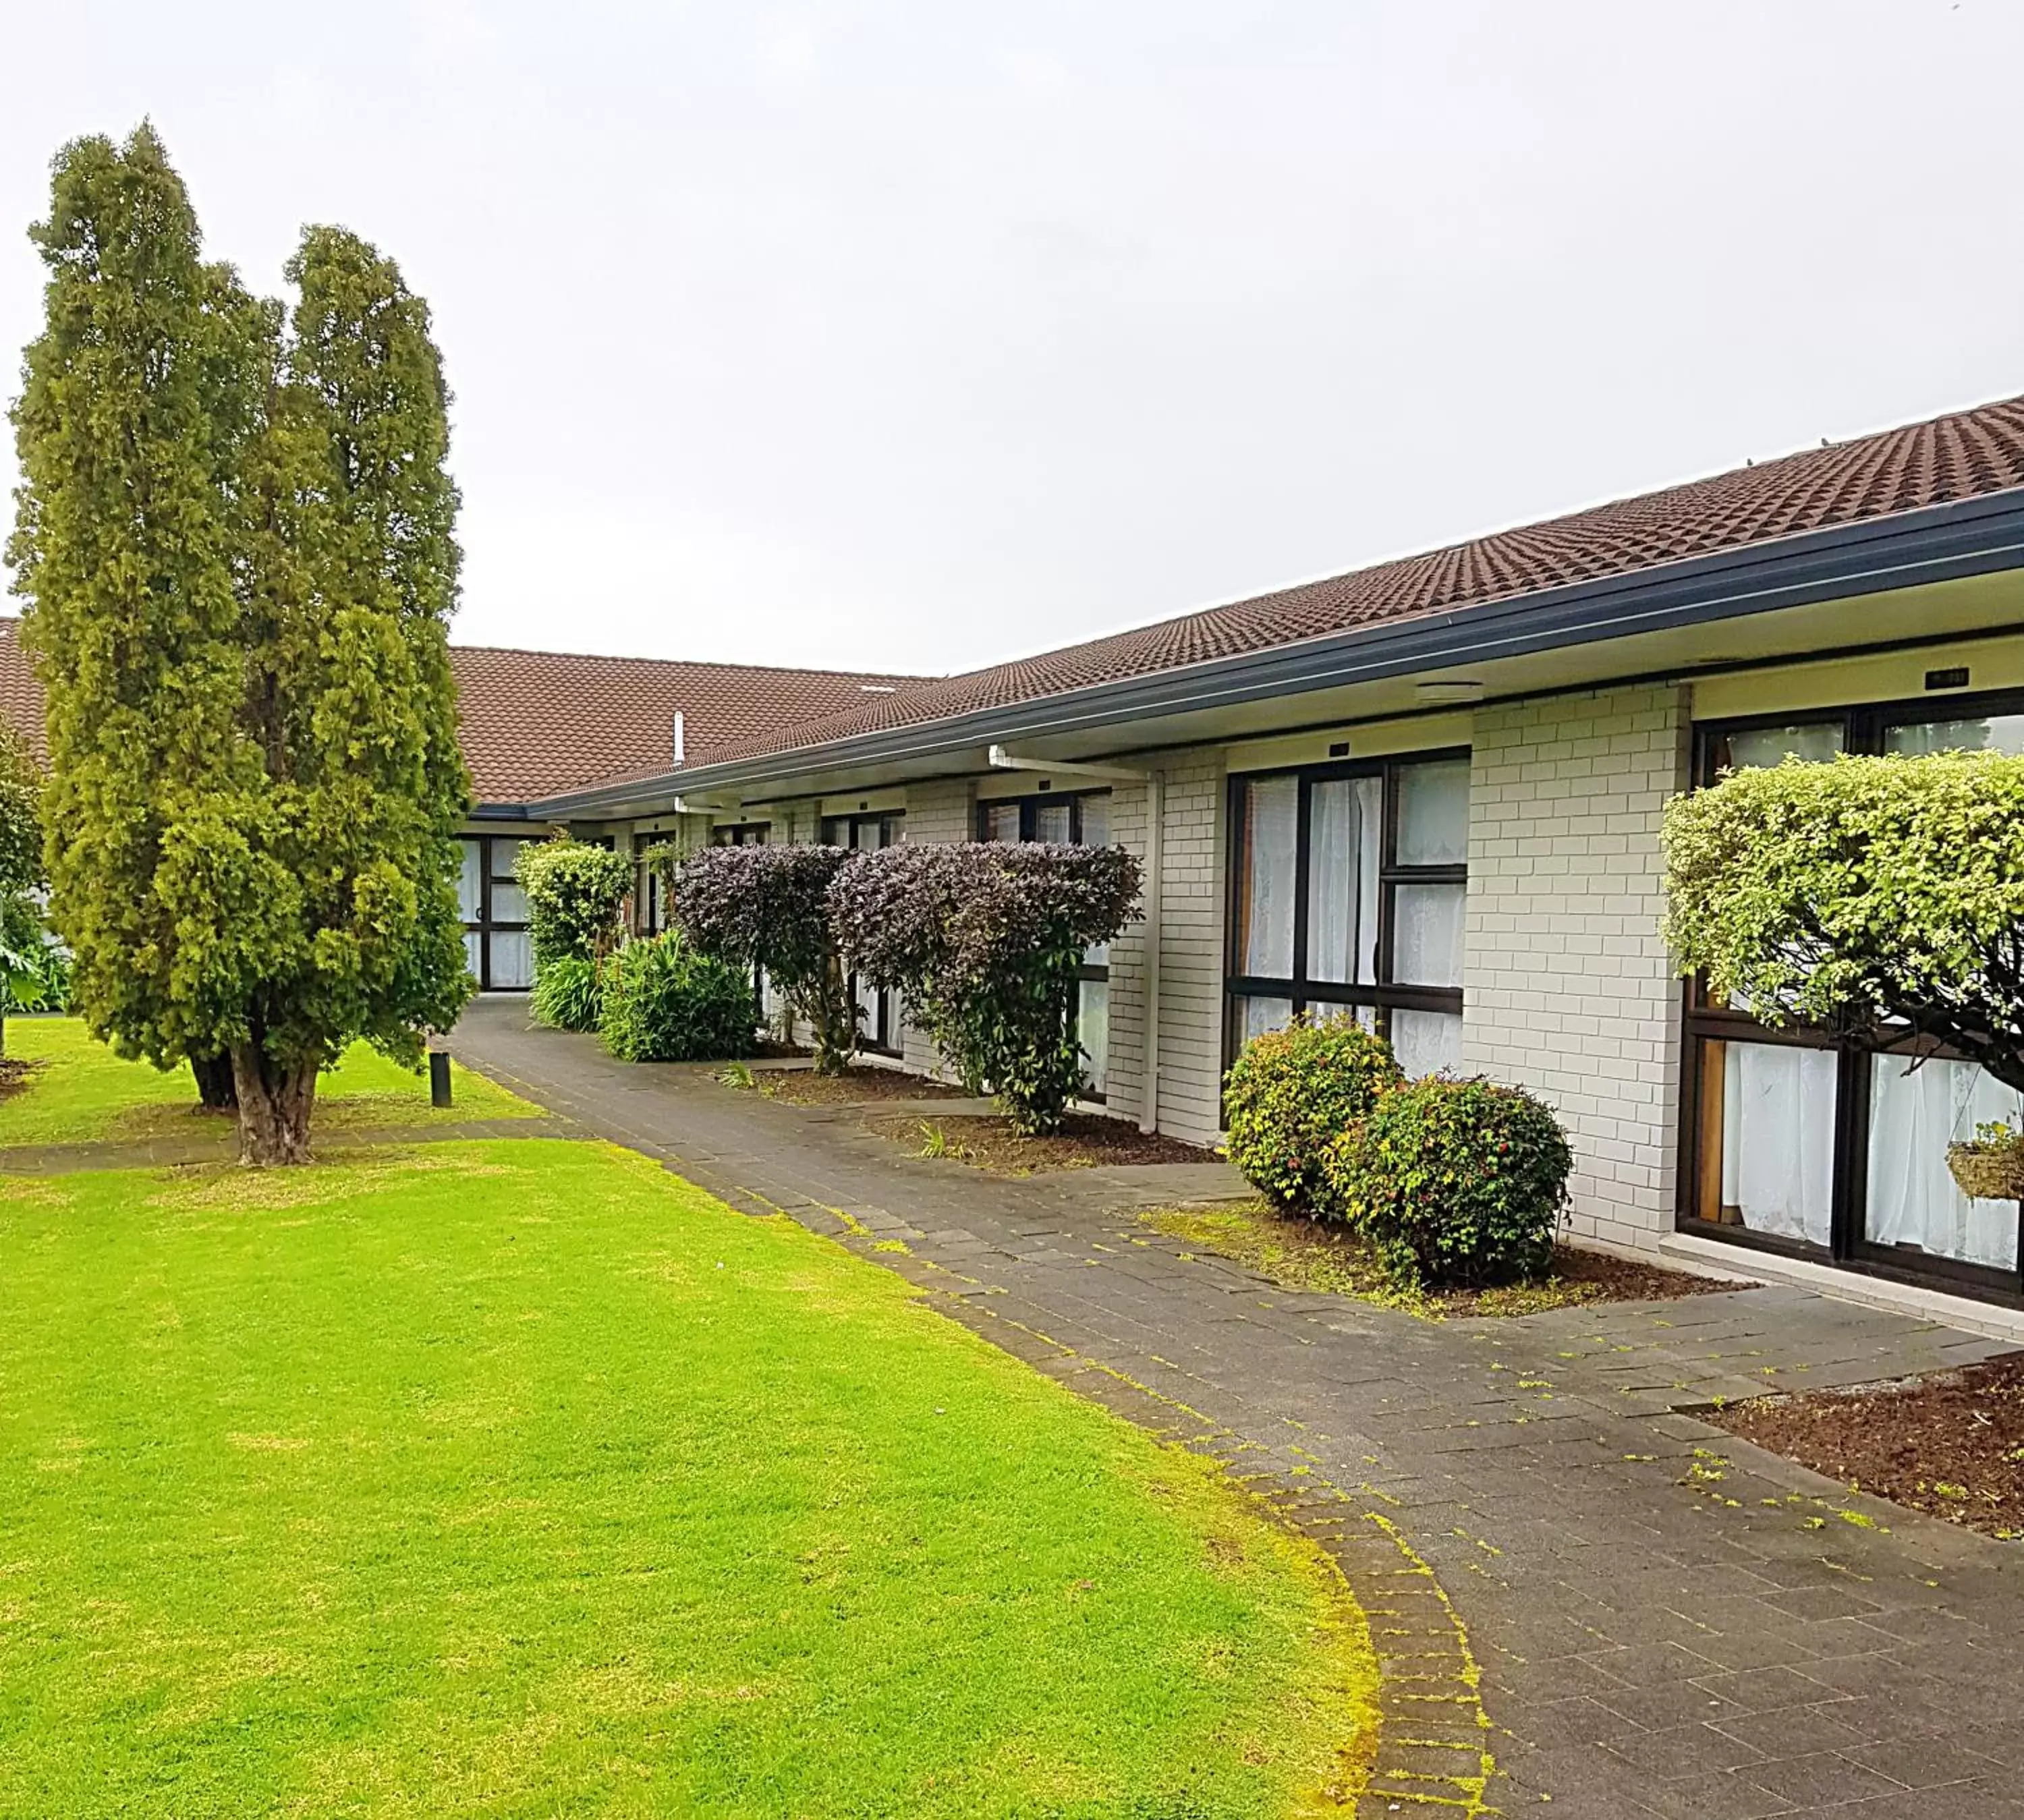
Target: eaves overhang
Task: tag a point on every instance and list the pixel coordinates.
(1949, 542)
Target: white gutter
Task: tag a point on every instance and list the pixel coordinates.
(1155, 782)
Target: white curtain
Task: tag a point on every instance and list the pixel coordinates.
(1426, 1041)
(1914, 1114)
(1433, 814)
(467, 880)
(1093, 1030)
(1426, 933)
(1272, 809)
(1345, 825)
(1777, 1138)
(512, 958)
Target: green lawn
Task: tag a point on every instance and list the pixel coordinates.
(519, 1478)
(79, 1092)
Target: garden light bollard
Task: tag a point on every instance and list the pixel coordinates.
(438, 1077)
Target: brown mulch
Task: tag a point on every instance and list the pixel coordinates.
(1951, 1444)
(1085, 1140)
(1301, 1254)
(15, 1075)
(854, 1087)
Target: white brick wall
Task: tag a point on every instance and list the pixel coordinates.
(1190, 959)
(1570, 991)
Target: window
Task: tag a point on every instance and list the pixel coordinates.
(1072, 819)
(881, 1015)
(494, 909)
(739, 834)
(1797, 1140)
(1349, 887)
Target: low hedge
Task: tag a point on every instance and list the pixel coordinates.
(569, 994)
(1291, 1094)
(664, 1002)
(1455, 1182)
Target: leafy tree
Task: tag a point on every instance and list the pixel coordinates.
(986, 940)
(1869, 895)
(768, 907)
(573, 892)
(236, 540)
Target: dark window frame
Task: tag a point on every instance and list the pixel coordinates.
(740, 833)
(485, 926)
(1384, 995)
(1863, 726)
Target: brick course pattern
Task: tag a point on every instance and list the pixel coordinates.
(1569, 989)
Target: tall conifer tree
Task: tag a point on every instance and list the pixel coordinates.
(237, 549)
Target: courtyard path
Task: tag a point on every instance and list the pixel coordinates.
(1581, 1594)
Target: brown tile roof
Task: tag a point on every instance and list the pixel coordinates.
(1956, 456)
(537, 724)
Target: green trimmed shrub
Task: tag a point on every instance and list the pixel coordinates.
(573, 892)
(1455, 1182)
(568, 994)
(664, 1002)
(1292, 1092)
(1867, 895)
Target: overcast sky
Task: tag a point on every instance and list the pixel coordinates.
(920, 335)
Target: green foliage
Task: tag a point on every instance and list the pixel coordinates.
(768, 907)
(1292, 1094)
(1860, 894)
(666, 1002)
(1454, 1182)
(573, 892)
(237, 545)
(986, 941)
(569, 994)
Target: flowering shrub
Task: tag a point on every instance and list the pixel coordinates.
(568, 994)
(768, 907)
(1454, 1181)
(664, 1002)
(986, 941)
(1292, 1092)
(574, 890)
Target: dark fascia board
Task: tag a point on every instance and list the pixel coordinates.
(1961, 538)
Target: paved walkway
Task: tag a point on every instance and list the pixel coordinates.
(1632, 1613)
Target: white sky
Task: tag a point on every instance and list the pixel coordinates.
(921, 333)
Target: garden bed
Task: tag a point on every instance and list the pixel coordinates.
(1951, 1444)
(854, 1087)
(1085, 1140)
(1297, 1254)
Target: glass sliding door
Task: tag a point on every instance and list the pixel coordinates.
(1349, 896)
(494, 909)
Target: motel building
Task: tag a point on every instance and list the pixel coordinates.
(1426, 795)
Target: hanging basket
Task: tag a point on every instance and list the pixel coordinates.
(1987, 1171)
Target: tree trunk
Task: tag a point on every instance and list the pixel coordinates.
(215, 1091)
(274, 1104)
